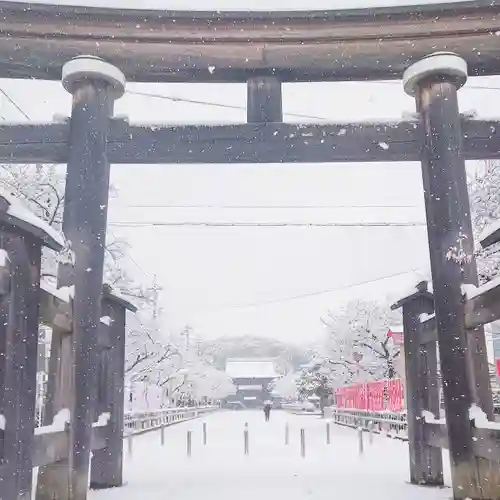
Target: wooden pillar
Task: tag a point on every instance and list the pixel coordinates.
(264, 102)
(19, 334)
(434, 82)
(94, 85)
(422, 391)
(106, 468)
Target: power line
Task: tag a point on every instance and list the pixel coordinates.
(263, 224)
(319, 292)
(14, 103)
(273, 207)
(243, 108)
(213, 104)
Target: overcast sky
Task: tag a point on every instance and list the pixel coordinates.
(265, 281)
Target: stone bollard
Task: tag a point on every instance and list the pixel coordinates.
(360, 440)
(245, 439)
(302, 443)
(130, 444)
(204, 433)
(287, 434)
(188, 443)
(328, 433)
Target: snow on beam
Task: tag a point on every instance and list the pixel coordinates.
(52, 447)
(34, 142)
(482, 306)
(421, 289)
(428, 332)
(55, 307)
(483, 303)
(246, 143)
(490, 235)
(114, 295)
(486, 442)
(14, 213)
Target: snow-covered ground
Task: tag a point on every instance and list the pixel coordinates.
(221, 471)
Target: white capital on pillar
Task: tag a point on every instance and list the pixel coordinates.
(445, 64)
(93, 68)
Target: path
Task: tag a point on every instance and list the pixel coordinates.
(221, 471)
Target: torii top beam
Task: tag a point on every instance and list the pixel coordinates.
(189, 46)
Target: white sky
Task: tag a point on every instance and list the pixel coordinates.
(208, 274)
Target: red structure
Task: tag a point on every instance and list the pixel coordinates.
(382, 395)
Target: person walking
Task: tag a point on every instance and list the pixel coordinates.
(267, 410)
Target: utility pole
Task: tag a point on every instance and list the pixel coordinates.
(155, 297)
(187, 333)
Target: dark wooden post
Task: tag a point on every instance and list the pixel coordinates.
(422, 390)
(106, 467)
(264, 103)
(434, 82)
(21, 243)
(95, 85)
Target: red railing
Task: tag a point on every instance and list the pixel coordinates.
(377, 396)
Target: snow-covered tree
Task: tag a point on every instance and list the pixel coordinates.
(286, 386)
(315, 381)
(357, 345)
(485, 209)
(41, 188)
(154, 356)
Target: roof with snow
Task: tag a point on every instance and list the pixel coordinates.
(421, 289)
(396, 329)
(250, 368)
(13, 211)
(114, 295)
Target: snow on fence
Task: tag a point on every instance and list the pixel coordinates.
(392, 424)
(137, 422)
(377, 396)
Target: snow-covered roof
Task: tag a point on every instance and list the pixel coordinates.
(250, 368)
(20, 216)
(114, 295)
(396, 328)
(490, 234)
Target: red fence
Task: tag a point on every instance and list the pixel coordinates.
(377, 396)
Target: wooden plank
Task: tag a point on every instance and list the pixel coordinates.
(175, 46)
(107, 464)
(267, 143)
(486, 441)
(246, 143)
(21, 336)
(28, 143)
(426, 464)
(490, 235)
(484, 307)
(479, 310)
(52, 447)
(29, 285)
(428, 332)
(264, 99)
(54, 311)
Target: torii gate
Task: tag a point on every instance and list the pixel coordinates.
(264, 50)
